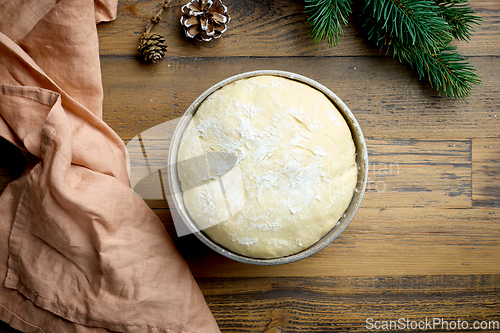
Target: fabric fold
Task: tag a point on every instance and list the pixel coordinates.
(80, 252)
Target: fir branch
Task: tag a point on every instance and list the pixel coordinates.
(447, 71)
(417, 32)
(423, 48)
(325, 18)
(460, 17)
(412, 22)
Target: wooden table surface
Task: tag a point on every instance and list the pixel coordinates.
(425, 242)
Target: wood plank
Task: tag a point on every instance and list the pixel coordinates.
(486, 171)
(418, 173)
(401, 173)
(426, 241)
(386, 97)
(378, 242)
(344, 304)
(255, 25)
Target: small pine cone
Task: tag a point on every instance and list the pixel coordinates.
(152, 47)
(204, 19)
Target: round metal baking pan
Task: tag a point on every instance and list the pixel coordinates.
(361, 159)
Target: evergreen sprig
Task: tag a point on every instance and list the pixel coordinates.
(326, 18)
(417, 32)
(460, 17)
(447, 71)
(415, 22)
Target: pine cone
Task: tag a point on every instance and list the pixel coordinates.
(152, 47)
(204, 19)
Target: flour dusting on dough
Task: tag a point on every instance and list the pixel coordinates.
(297, 162)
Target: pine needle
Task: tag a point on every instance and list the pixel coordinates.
(447, 71)
(421, 36)
(326, 18)
(460, 17)
(412, 22)
(417, 32)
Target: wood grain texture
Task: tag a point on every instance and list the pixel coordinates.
(324, 304)
(401, 173)
(418, 173)
(385, 96)
(486, 171)
(378, 242)
(266, 29)
(425, 242)
(344, 304)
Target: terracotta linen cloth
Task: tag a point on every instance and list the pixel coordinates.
(79, 252)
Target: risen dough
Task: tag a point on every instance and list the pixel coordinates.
(295, 173)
